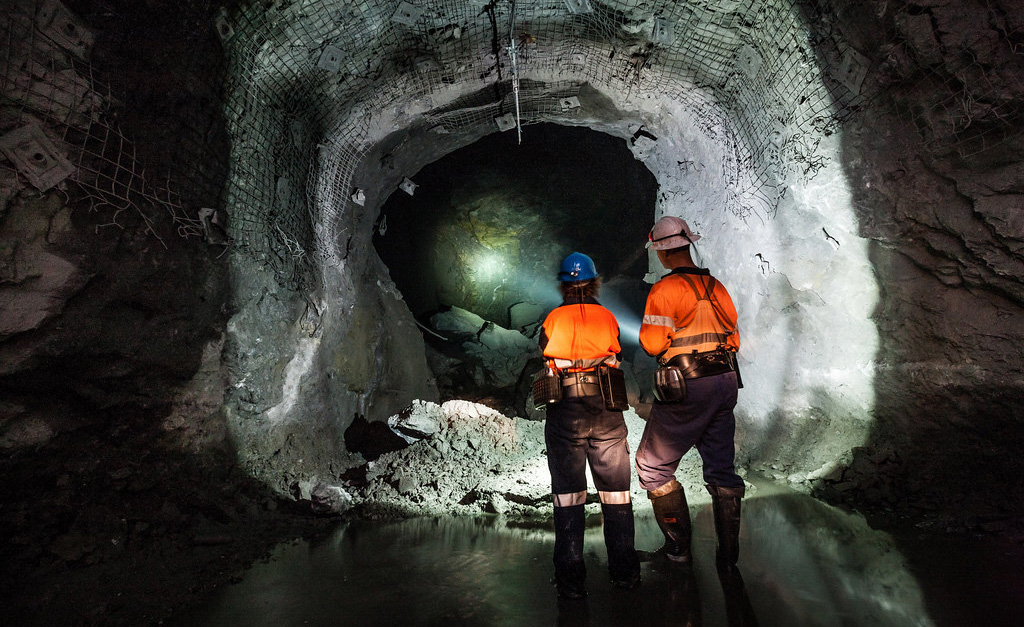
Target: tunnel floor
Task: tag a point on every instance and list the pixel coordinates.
(802, 563)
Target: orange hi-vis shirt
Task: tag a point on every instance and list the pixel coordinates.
(581, 335)
(688, 310)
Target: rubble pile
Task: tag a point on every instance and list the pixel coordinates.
(466, 459)
(463, 459)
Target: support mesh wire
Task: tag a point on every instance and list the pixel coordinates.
(305, 76)
(388, 52)
(47, 85)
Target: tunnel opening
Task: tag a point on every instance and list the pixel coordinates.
(474, 242)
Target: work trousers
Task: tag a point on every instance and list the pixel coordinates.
(704, 419)
(580, 431)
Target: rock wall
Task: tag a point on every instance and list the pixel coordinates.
(880, 301)
(114, 445)
(936, 165)
(707, 146)
(109, 317)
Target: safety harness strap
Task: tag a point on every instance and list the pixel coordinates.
(708, 289)
(708, 292)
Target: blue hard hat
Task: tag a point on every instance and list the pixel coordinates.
(577, 267)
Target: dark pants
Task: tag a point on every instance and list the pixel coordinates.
(581, 430)
(705, 420)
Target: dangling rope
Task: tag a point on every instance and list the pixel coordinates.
(515, 69)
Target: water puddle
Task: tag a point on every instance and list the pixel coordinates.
(802, 563)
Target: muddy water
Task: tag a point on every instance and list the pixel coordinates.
(802, 563)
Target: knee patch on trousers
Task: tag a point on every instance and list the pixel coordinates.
(667, 488)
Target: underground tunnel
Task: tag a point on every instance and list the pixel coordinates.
(280, 265)
(478, 241)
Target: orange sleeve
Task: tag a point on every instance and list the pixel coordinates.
(659, 319)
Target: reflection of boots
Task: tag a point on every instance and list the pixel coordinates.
(726, 505)
(570, 572)
(682, 607)
(673, 518)
(738, 610)
(623, 563)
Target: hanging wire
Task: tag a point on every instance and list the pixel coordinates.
(761, 80)
(515, 68)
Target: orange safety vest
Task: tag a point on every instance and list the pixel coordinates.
(581, 336)
(688, 312)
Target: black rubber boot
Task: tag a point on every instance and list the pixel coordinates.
(726, 505)
(570, 573)
(623, 562)
(673, 518)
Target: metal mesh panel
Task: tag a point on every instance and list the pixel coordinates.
(48, 86)
(328, 64)
(765, 79)
(970, 108)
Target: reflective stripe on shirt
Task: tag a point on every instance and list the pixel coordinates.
(702, 338)
(659, 321)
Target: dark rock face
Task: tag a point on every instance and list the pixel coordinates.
(372, 439)
(116, 528)
(120, 488)
(106, 309)
(940, 198)
(489, 224)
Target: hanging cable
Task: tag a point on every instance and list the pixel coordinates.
(515, 69)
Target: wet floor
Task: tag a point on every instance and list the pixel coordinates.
(802, 563)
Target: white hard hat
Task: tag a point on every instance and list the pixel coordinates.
(670, 232)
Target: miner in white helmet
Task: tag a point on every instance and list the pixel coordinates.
(689, 325)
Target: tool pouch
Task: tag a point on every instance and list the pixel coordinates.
(669, 384)
(547, 388)
(613, 388)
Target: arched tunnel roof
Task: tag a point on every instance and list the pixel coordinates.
(325, 81)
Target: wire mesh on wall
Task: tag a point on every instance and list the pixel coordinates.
(766, 79)
(969, 106)
(58, 124)
(325, 65)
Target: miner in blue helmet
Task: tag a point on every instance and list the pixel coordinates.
(580, 342)
(577, 267)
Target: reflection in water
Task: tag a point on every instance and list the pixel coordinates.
(801, 563)
(806, 563)
(738, 609)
